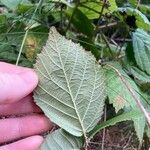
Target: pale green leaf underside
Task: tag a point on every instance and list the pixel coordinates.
(60, 140)
(140, 75)
(71, 87)
(141, 47)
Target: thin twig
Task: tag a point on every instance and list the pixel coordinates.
(107, 25)
(137, 100)
(107, 43)
(100, 16)
(104, 130)
(122, 40)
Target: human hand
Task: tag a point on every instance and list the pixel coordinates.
(16, 84)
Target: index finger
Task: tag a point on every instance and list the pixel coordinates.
(15, 82)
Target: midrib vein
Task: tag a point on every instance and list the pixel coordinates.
(82, 127)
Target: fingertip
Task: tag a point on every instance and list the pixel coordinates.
(37, 141)
(30, 78)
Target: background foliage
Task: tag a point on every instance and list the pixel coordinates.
(115, 32)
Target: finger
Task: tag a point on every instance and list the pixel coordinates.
(15, 82)
(24, 106)
(30, 143)
(15, 128)
(9, 68)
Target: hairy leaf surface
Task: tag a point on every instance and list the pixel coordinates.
(117, 92)
(60, 140)
(71, 90)
(121, 97)
(140, 75)
(141, 47)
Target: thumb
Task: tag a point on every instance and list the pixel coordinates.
(16, 85)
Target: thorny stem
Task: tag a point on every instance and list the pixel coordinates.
(137, 100)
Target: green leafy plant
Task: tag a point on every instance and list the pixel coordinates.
(94, 70)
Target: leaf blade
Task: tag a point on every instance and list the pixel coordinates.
(71, 90)
(60, 140)
(141, 48)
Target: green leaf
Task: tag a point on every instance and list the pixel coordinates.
(117, 92)
(121, 97)
(145, 9)
(140, 75)
(141, 21)
(71, 89)
(92, 9)
(134, 3)
(131, 115)
(139, 125)
(81, 22)
(25, 8)
(141, 48)
(60, 140)
(3, 19)
(12, 4)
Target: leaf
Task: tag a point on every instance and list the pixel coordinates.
(60, 140)
(131, 115)
(141, 21)
(64, 2)
(145, 9)
(81, 22)
(141, 48)
(140, 75)
(139, 125)
(25, 8)
(71, 90)
(116, 89)
(12, 4)
(92, 9)
(134, 3)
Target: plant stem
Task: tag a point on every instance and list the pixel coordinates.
(107, 25)
(101, 13)
(21, 48)
(104, 130)
(26, 32)
(107, 43)
(137, 100)
(73, 13)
